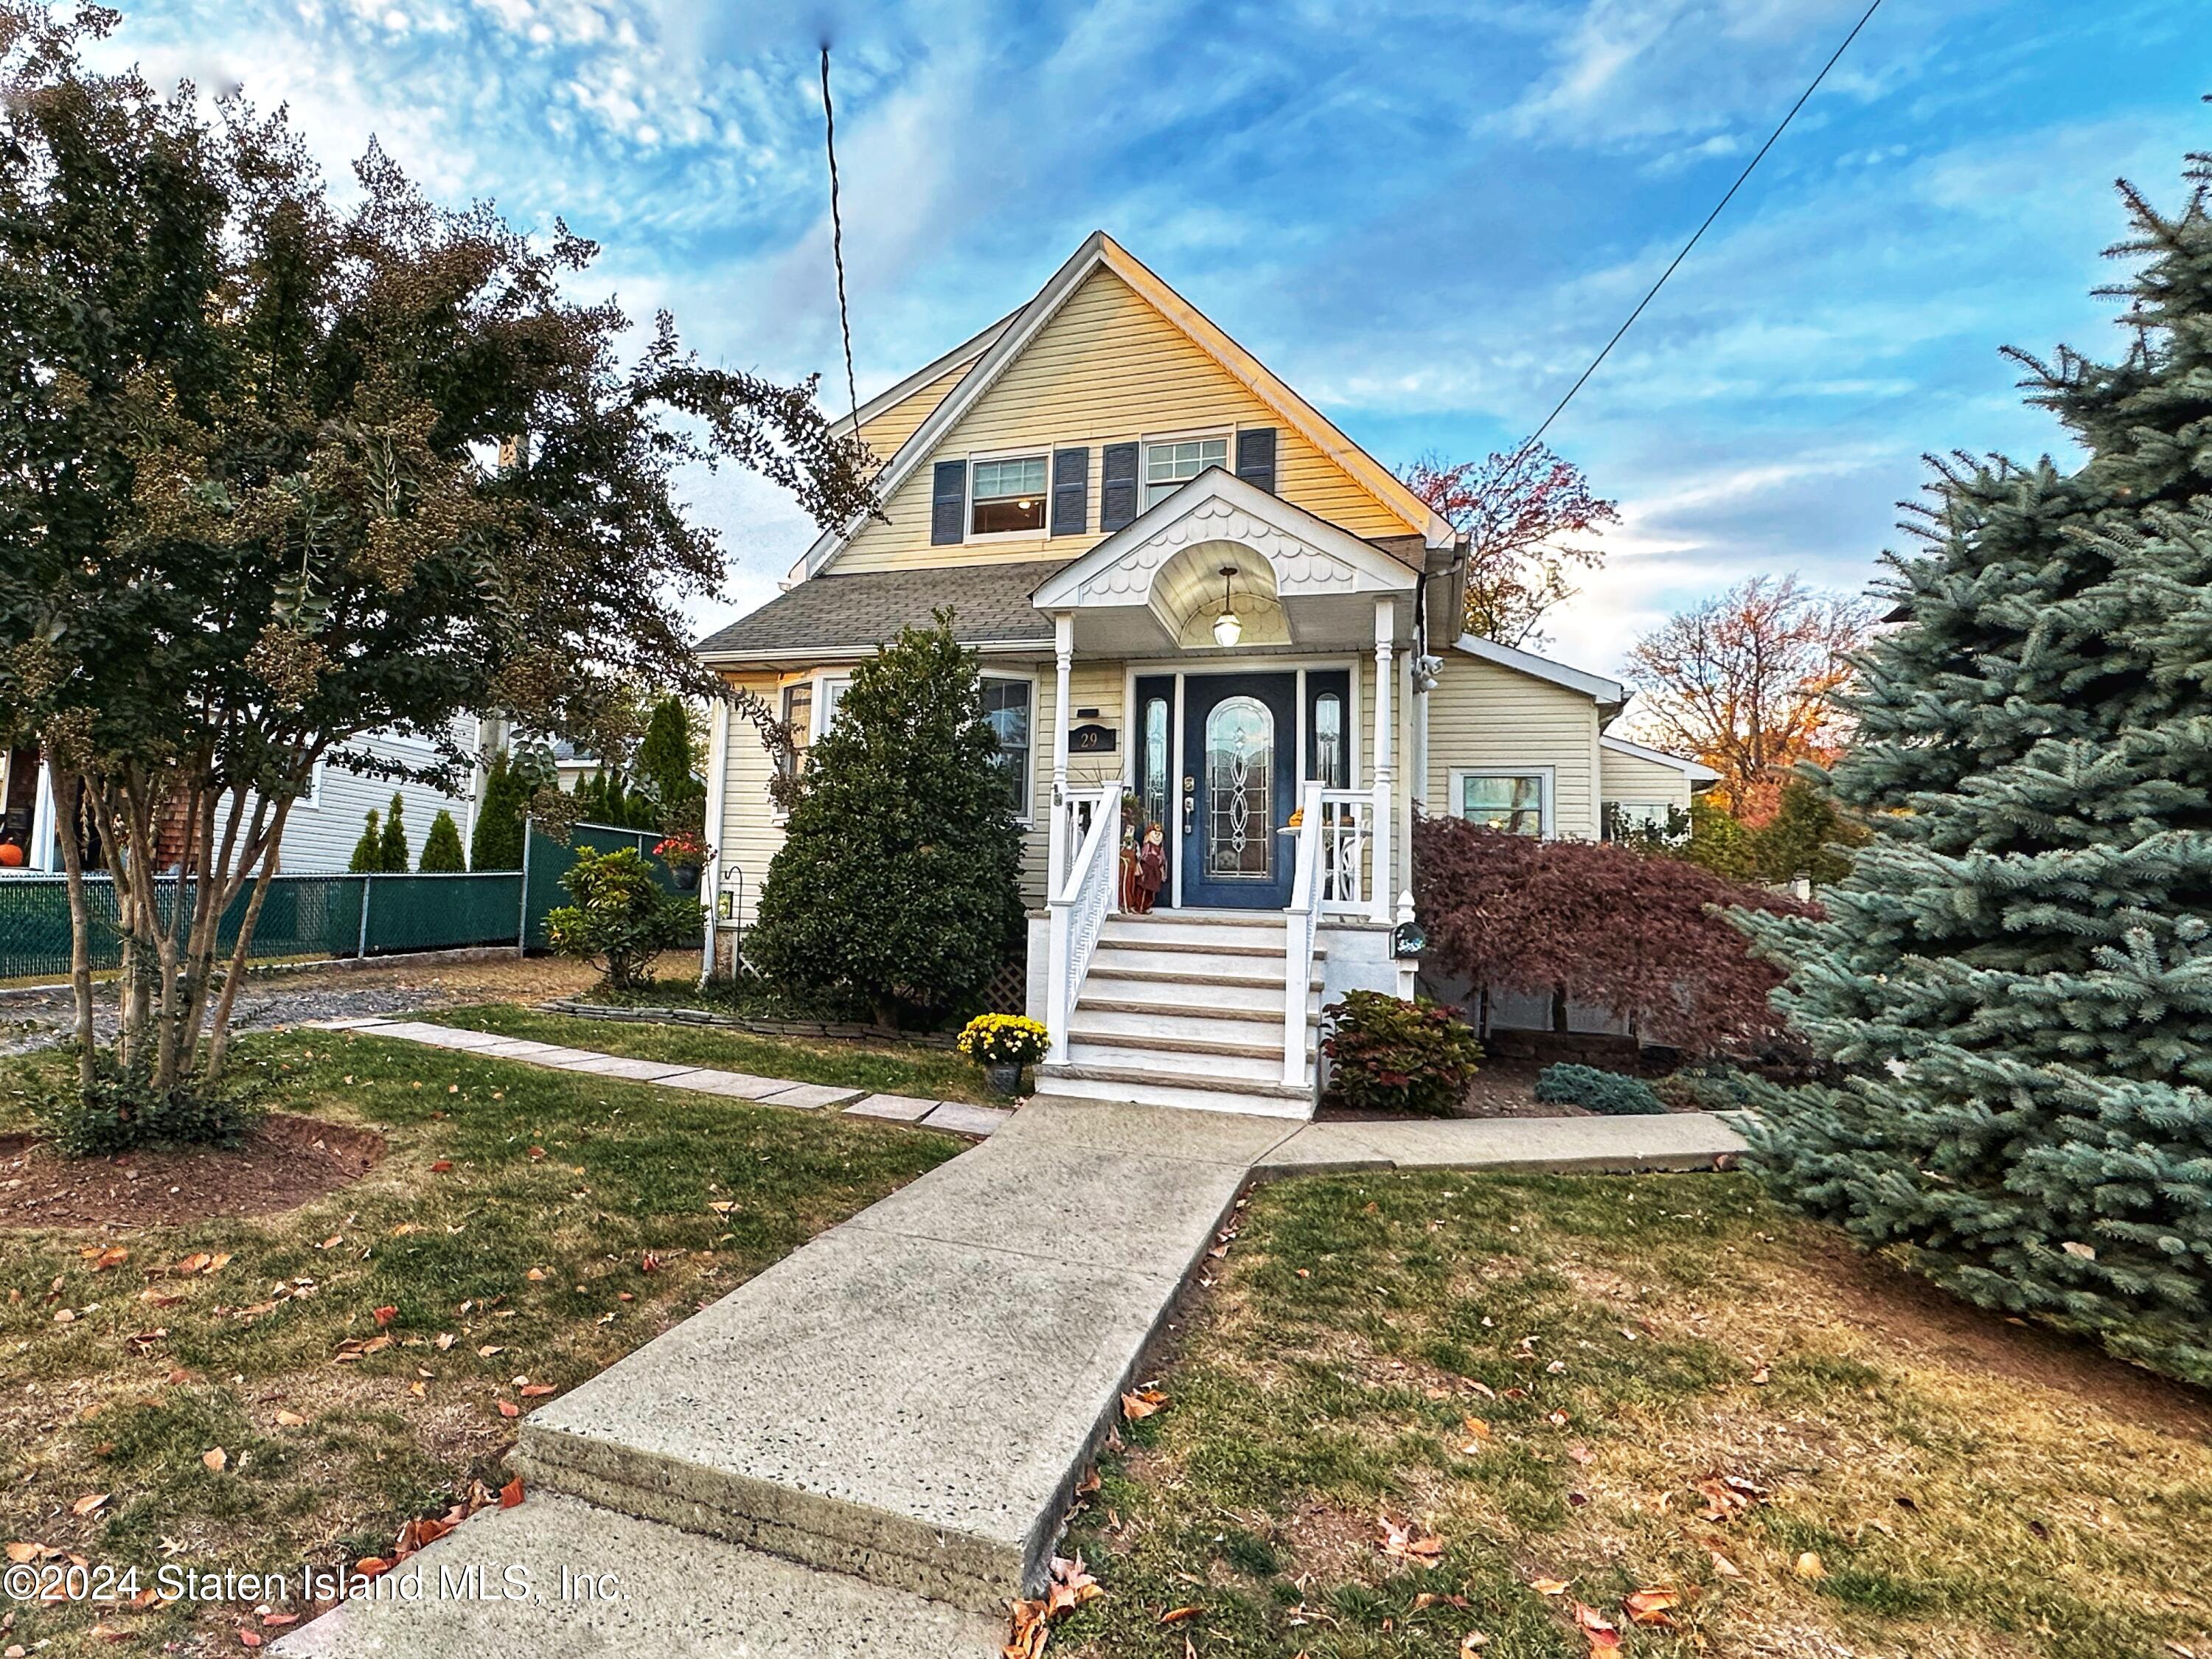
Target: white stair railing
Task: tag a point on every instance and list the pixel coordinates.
(1079, 905)
(1347, 847)
(1299, 923)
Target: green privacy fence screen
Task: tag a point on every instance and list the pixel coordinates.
(331, 915)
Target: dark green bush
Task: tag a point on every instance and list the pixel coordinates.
(122, 1114)
(622, 915)
(1609, 1092)
(1391, 1055)
(441, 847)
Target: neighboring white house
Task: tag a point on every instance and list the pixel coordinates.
(322, 828)
(1183, 582)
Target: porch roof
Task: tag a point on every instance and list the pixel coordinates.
(832, 615)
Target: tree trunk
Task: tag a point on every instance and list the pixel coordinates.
(69, 807)
(263, 846)
(1559, 1009)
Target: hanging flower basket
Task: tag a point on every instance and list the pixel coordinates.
(683, 853)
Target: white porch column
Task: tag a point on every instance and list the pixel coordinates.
(1385, 809)
(1063, 651)
(710, 882)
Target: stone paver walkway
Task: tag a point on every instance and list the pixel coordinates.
(958, 1116)
(909, 1399)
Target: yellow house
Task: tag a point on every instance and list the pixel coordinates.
(1185, 587)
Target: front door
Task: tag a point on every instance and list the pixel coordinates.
(1240, 741)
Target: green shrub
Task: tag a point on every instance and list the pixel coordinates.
(1608, 1092)
(899, 881)
(393, 848)
(1391, 1055)
(497, 841)
(122, 1114)
(441, 847)
(622, 915)
(368, 852)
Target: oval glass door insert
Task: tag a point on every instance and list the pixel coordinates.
(1240, 754)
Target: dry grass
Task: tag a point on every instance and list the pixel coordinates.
(575, 1219)
(1969, 1487)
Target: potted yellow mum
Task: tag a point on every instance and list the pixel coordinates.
(1002, 1044)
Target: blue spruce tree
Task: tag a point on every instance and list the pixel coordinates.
(2012, 987)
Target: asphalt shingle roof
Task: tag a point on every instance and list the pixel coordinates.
(990, 604)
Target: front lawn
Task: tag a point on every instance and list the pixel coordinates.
(1561, 1392)
(882, 1068)
(353, 1360)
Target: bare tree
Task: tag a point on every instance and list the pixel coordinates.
(1518, 510)
(1747, 682)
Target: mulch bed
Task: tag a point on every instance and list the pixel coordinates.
(284, 1163)
(1502, 1088)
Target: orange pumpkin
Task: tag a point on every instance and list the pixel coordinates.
(11, 856)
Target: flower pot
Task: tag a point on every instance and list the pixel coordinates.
(1003, 1079)
(685, 876)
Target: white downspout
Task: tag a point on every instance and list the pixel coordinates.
(718, 767)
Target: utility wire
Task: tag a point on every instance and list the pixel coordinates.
(837, 236)
(1535, 436)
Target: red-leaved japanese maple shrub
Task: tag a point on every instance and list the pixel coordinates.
(1636, 934)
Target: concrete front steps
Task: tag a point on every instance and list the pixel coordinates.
(1185, 1009)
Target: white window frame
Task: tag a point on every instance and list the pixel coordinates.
(1547, 783)
(1653, 813)
(829, 688)
(1026, 452)
(1027, 816)
(1146, 441)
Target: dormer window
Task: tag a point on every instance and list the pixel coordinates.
(1008, 497)
(1171, 463)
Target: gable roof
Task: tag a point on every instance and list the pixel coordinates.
(1099, 251)
(1697, 771)
(890, 398)
(1594, 686)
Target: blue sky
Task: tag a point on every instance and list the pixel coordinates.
(1424, 215)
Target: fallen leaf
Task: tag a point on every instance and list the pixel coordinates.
(1808, 1565)
(291, 1419)
(1177, 1615)
(1722, 1565)
(1407, 1543)
(1651, 1607)
(511, 1493)
(1598, 1630)
(488, 1349)
(247, 1639)
(192, 1263)
(1548, 1586)
(89, 1503)
(278, 1620)
(1142, 1404)
(508, 1408)
(535, 1274)
(536, 1390)
(112, 1633)
(441, 1166)
(386, 1315)
(19, 1553)
(100, 1261)
(1471, 1641)
(216, 1458)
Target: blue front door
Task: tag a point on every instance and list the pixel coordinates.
(1240, 741)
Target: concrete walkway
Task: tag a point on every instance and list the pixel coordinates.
(958, 1116)
(909, 1399)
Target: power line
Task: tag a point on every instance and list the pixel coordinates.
(837, 236)
(1810, 89)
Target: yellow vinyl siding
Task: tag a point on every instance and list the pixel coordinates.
(884, 434)
(1107, 369)
(1629, 777)
(1482, 716)
(750, 836)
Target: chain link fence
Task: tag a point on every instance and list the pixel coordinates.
(326, 915)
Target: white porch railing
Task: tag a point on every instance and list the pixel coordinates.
(1080, 903)
(1300, 921)
(1347, 848)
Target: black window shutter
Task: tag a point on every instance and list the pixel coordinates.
(1117, 489)
(948, 503)
(1256, 456)
(1071, 491)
